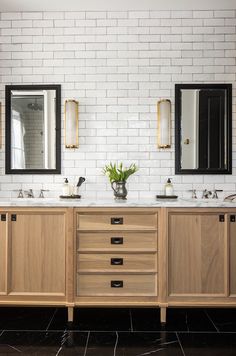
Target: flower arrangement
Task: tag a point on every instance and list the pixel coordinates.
(119, 173)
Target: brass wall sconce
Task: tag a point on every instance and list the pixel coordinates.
(71, 123)
(163, 123)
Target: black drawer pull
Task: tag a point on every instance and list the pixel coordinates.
(117, 240)
(3, 217)
(117, 284)
(13, 217)
(116, 221)
(232, 218)
(117, 261)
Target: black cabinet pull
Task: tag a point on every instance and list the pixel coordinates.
(3, 217)
(13, 217)
(117, 284)
(232, 218)
(116, 221)
(117, 261)
(221, 218)
(117, 240)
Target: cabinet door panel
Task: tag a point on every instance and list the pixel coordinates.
(232, 251)
(197, 246)
(37, 261)
(3, 253)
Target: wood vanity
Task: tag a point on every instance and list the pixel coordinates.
(110, 256)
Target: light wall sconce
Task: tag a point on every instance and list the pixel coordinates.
(163, 123)
(71, 123)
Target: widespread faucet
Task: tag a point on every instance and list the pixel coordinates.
(29, 193)
(206, 193)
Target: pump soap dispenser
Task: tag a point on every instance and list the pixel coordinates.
(169, 190)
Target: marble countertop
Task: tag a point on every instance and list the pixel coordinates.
(83, 202)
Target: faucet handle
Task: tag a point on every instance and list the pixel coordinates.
(214, 194)
(20, 193)
(194, 194)
(41, 195)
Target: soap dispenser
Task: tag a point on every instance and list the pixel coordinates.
(169, 190)
(66, 188)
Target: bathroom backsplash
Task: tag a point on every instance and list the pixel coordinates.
(118, 65)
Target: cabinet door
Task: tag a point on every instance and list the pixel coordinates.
(37, 254)
(197, 255)
(3, 252)
(232, 255)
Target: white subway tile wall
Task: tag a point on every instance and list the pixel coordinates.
(118, 65)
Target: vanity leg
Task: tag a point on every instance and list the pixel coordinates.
(70, 314)
(163, 315)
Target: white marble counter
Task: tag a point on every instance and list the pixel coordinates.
(56, 202)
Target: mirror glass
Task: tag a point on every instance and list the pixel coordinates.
(203, 128)
(33, 129)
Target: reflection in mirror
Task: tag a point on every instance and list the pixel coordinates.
(32, 119)
(203, 128)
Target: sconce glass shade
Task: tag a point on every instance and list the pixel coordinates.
(163, 124)
(71, 123)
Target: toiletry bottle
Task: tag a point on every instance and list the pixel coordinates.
(169, 187)
(66, 188)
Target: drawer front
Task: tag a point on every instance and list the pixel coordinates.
(117, 221)
(116, 285)
(135, 241)
(116, 262)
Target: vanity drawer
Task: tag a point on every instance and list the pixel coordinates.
(116, 285)
(116, 262)
(134, 241)
(117, 221)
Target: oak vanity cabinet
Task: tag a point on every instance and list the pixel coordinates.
(116, 256)
(201, 256)
(33, 246)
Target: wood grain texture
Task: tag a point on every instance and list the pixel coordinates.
(103, 221)
(3, 256)
(130, 262)
(132, 241)
(37, 254)
(100, 285)
(232, 257)
(196, 246)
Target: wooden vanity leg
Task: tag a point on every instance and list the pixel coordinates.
(163, 315)
(70, 314)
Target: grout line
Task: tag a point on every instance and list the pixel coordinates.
(211, 321)
(180, 344)
(50, 321)
(2, 332)
(86, 345)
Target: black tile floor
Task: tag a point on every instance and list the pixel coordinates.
(117, 332)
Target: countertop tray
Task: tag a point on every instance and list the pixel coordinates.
(167, 197)
(70, 196)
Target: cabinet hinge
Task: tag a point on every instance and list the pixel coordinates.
(3, 217)
(13, 217)
(221, 218)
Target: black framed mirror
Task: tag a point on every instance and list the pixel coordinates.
(33, 129)
(203, 128)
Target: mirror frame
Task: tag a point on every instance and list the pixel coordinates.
(228, 89)
(9, 88)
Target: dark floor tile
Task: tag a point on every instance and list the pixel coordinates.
(208, 344)
(22, 318)
(177, 320)
(133, 344)
(224, 319)
(97, 319)
(37, 343)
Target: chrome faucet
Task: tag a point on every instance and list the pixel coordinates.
(41, 195)
(29, 193)
(206, 193)
(194, 194)
(214, 194)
